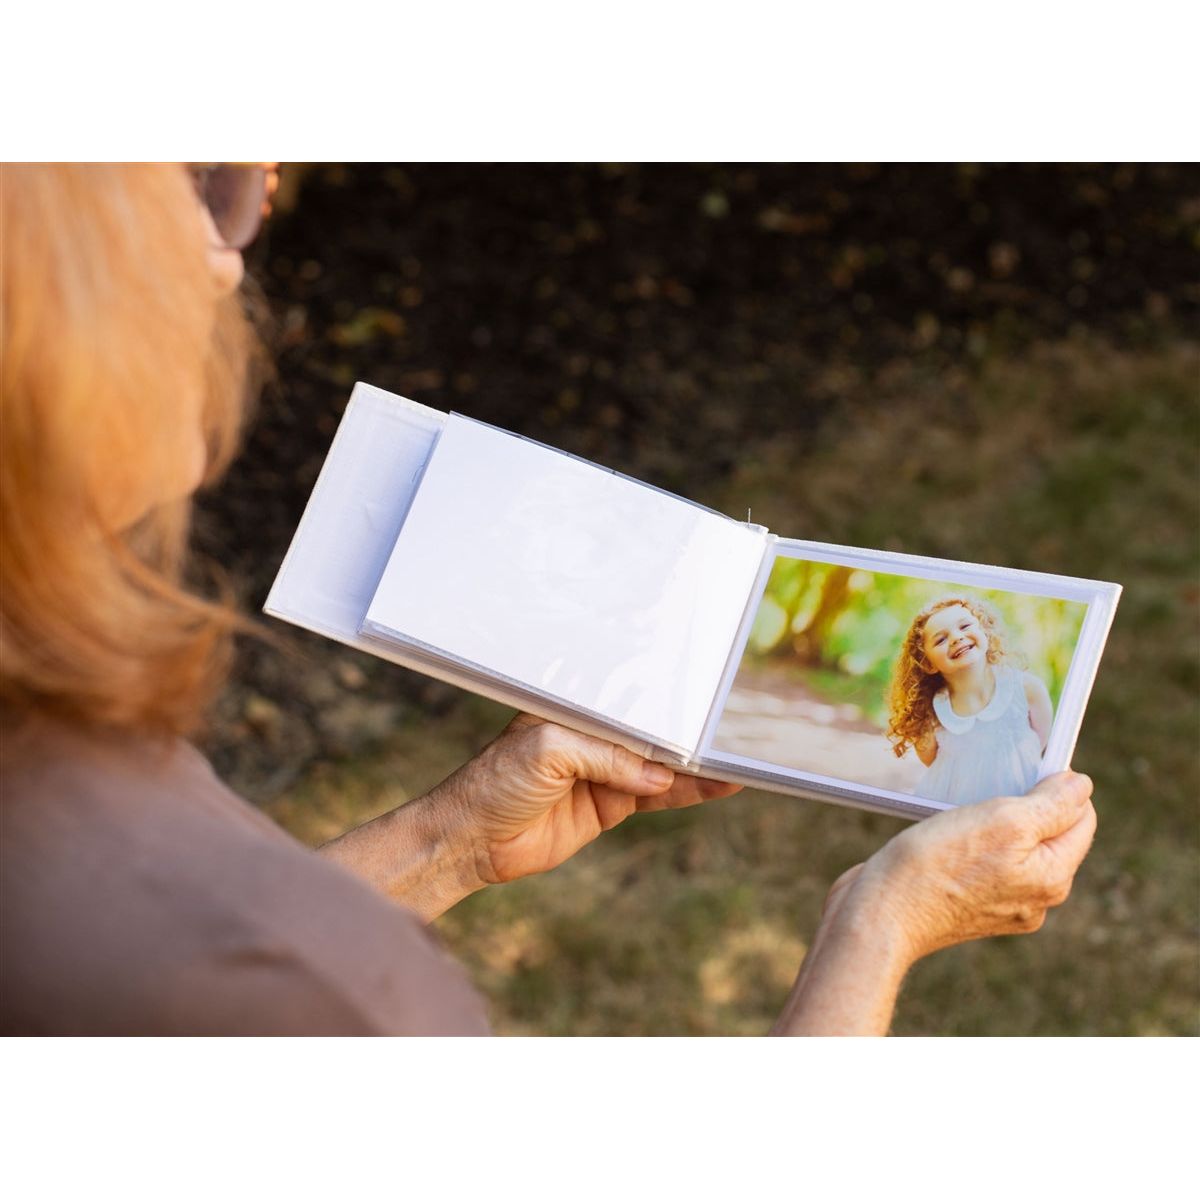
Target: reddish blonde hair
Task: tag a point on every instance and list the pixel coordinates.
(113, 345)
(915, 683)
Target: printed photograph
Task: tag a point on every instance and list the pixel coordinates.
(933, 689)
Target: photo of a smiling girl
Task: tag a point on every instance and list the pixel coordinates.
(935, 688)
(962, 700)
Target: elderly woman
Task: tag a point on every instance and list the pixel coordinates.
(141, 896)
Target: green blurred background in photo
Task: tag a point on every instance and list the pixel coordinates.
(841, 629)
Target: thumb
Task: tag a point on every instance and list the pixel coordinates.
(1058, 802)
(1069, 848)
(598, 761)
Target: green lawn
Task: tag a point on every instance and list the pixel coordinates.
(1074, 459)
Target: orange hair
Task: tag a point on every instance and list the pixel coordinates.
(114, 351)
(915, 683)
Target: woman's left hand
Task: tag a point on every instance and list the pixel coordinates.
(540, 792)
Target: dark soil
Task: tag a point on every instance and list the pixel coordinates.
(665, 319)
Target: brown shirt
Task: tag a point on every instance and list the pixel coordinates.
(138, 895)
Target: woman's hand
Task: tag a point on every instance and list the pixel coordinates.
(983, 869)
(529, 801)
(540, 792)
(971, 872)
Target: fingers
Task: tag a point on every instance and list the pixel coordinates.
(612, 806)
(686, 791)
(1058, 802)
(716, 789)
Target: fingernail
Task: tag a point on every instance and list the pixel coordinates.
(658, 776)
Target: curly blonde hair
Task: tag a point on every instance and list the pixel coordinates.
(915, 683)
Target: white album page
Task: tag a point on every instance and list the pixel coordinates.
(559, 575)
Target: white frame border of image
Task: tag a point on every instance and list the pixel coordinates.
(1101, 600)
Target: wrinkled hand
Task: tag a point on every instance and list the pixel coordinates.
(977, 871)
(540, 792)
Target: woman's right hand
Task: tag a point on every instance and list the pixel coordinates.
(978, 871)
(971, 872)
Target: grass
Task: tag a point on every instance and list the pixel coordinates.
(1076, 459)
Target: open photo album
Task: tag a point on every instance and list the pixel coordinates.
(884, 681)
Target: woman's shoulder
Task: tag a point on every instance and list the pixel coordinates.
(65, 784)
(141, 895)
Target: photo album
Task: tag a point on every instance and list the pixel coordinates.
(884, 681)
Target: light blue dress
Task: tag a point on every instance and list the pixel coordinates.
(995, 752)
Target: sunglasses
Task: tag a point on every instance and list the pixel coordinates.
(237, 196)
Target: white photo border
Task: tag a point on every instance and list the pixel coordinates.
(1100, 598)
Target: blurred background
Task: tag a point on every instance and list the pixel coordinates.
(990, 363)
(811, 691)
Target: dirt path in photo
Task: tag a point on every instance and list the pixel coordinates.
(786, 722)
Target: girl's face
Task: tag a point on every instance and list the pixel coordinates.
(954, 640)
